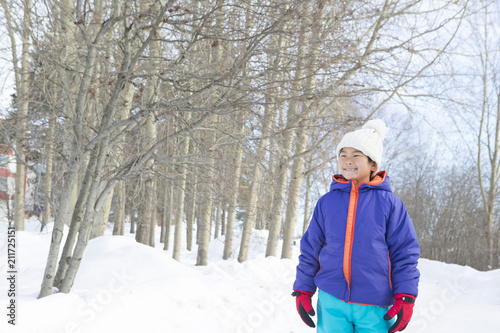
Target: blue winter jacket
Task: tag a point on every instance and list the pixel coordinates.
(361, 246)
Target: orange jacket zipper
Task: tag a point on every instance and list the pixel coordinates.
(349, 234)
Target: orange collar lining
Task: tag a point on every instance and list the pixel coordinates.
(377, 180)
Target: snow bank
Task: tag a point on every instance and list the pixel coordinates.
(123, 286)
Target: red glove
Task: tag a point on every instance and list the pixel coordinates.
(304, 306)
(403, 307)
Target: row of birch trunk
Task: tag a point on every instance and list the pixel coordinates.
(201, 117)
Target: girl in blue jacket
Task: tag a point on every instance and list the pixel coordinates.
(360, 249)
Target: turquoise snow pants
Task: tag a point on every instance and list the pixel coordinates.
(335, 316)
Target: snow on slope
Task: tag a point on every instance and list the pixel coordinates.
(123, 286)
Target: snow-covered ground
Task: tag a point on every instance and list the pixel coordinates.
(123, 286)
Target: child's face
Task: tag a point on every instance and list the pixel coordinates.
(353, 164)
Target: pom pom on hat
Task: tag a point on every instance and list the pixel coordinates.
(368, 140)
(378, 126)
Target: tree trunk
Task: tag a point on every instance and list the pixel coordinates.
(99, 156)
(204, 226)
(132, 218)
(234, 183)
(21, 118)
(76, 220)
(57, 232)
(49, 168)
(119, 223)
(251, 213)
(90, 210)
(493, 191)
(306, 204)
(154, 213)
(102, 217)
(207, 203)
(223, 221)
(285, 149)
(71, 92)
(144, 230)
(167, 214)
(100, 150)
(78, 195)
(218, 216)
(489, 196)
(67, 197)
(190, 211)
(236, 163)
(297, 174)
(121, 114)
(145, 214)
(181, 195)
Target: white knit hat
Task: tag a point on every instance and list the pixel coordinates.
(368, 140)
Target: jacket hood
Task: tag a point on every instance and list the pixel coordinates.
(381, 181)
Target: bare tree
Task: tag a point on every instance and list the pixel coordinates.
(21, 75)
(89, 197)
(489, 127)
(181, 194)
(475, 97)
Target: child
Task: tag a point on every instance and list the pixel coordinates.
(360, 249)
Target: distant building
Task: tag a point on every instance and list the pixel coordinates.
(7, 184)
(7, 181)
